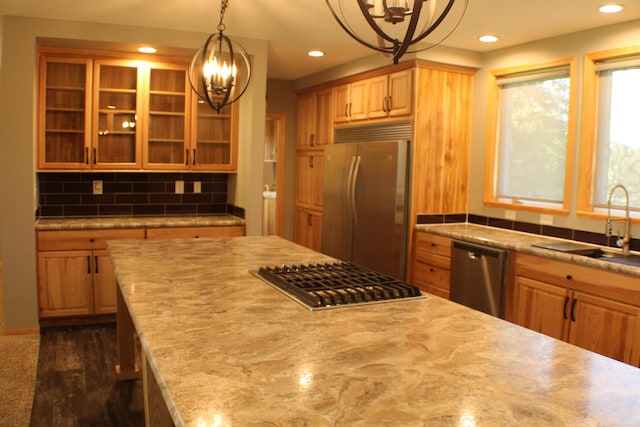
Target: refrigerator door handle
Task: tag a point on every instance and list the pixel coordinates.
(354, 183)
(349, 181)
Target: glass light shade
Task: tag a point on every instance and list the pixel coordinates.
(220, 71)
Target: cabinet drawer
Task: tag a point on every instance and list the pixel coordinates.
(61, 240)
(194, 232)
(433, 243)
(435, 274)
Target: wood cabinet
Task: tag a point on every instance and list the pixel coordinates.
(390, 95)
(75, 276)
(350, 102)
(194, 232)
(593, 309)
(309, 179)
(432, 264)
(307, 228)
(64, 113)
(109, 113)
(314, 119)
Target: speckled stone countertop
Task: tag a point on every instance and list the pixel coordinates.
(522, 242)
(136, 222)
(230, 350)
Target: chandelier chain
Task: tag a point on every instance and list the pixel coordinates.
(223, 6)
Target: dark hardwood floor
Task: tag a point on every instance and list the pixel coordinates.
(76, 383)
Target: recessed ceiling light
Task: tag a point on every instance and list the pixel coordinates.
(488, 39)
(315, 53)
(610, 8)
(147, 49)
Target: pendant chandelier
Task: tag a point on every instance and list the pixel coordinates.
(220, 71)
(398, 24)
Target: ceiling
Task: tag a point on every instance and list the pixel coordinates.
(293, 27)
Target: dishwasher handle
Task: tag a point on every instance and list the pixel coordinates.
(477, 251)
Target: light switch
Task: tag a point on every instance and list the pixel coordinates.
(197, 187)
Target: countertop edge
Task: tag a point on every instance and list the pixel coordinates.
(521, 242)
(47, 224)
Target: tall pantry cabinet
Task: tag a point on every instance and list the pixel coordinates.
(435, 97)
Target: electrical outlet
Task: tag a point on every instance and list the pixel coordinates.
(197, 187)
(179, 187)
(510, 215)
(546, 219)
(97, 187)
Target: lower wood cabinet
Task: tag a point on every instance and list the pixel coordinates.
(594, 309)
(307, 228)
(432, 264)
(75, 275)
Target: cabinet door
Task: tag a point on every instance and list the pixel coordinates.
(309, 174)
(307, 230)
(118, 100)
(104, 284)
(542, 307)
(605, 327)
(434, 275)
(65, 283)
(167, 122)
(400, 93)
(378, 102)
(341, 103)
(324, 118)
(214, 138)
(306, 121)
(63, 113)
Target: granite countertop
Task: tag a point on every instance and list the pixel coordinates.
(522, 242)
(229, 349)
(136, 222)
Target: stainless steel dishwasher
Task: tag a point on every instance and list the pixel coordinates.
(478, 277)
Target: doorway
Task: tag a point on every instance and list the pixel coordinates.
(273, 174)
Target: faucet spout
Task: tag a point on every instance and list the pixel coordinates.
(622, 242)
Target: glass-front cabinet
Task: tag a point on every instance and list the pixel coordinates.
(64, 118)
(129, 114)
(117, 99)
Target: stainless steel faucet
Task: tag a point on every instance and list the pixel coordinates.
(622, 242)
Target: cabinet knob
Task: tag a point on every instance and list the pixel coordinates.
(433, 245)
(432, 270)
(569, 277)
(92, 240)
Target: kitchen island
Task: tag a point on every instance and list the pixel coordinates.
(226, 348)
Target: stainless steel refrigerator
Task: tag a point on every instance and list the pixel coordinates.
(364, 213)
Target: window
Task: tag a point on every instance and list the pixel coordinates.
(611, 131)
(530, 137)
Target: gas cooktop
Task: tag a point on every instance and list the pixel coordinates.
(335, 284)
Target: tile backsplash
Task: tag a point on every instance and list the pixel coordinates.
(63, 194)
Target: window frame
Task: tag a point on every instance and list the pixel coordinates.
(589, 129)
(492, 149)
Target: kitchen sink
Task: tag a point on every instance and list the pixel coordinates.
(591, 251)
(617, 257)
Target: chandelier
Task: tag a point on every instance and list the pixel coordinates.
(398, 24)
(220, 71)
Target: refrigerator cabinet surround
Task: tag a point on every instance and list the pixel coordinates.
(364, 215)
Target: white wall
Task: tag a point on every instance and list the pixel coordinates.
(577, 44)
(18, 131)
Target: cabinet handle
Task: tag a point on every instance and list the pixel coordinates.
(94, 155)
(309, 220)
(312, 140)
(186, 156)
(346, 109)
(573, 310)
(564, 310)
(310, 161)
(95, 260)
(388, 103)
(88, 264)
(193, 160)
(350, 105)
(86, 155)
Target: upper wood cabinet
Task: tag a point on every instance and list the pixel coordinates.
(390, 95)
(314, 121)
(121, 114)
(117, 107)
(64, 113)
(350, 101)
